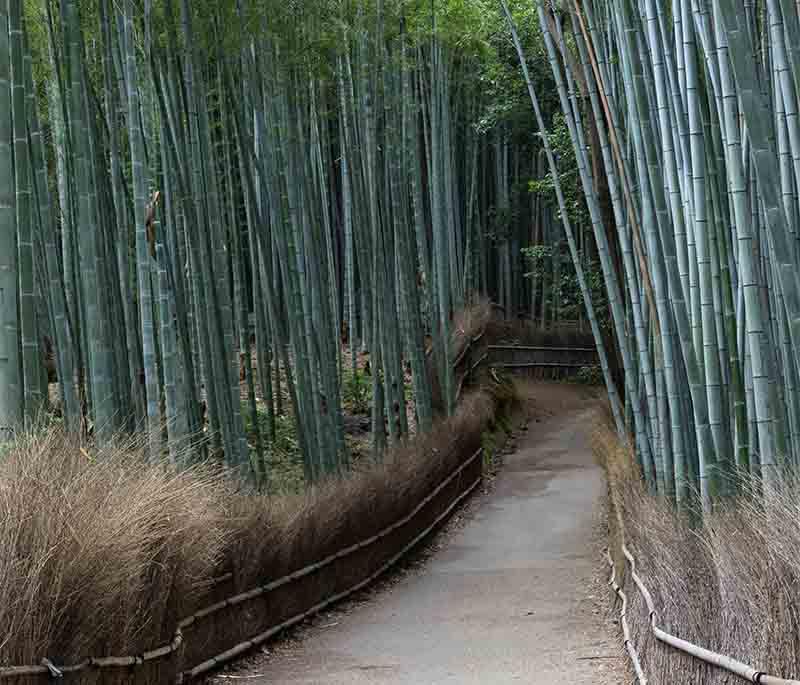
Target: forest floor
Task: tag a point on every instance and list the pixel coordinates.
(283, 458)
(513, 592)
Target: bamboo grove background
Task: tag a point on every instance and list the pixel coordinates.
(695, 105)
(202, 201)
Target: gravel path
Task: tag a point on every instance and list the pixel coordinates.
(515, 595)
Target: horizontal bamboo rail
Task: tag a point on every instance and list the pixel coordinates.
(623, 616)
(557, 361)
(727, 663)
(174, 652)
(538, 365)
(545, 348)
(722, 661)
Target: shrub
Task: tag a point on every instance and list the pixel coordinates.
(356, 391)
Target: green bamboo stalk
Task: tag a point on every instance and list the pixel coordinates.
(63, 341)
(143, 258)
(26, 263)
(11, 397)
(86, 237)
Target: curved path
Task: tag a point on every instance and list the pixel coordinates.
(512, 597)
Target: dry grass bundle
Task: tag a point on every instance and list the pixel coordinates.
(730, 584)
(755, 547)
(99, 551)
(102, 553)
(468, 323)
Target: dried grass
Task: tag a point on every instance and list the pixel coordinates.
(99, 551)
(468, 323)
(730, 584)
(102, 553)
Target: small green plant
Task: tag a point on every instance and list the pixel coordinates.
(493, 439)
(356, 391)
(408, 391)
(589, 375)
(489, 445)
(283, 461)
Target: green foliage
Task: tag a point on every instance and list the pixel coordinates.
(501, 425)
(499, 75)
(282, 457)
(490, 446)
(356, 391)
(539, 257)
(494, 438)
(566, 290)
(589, 375)
(568, 176)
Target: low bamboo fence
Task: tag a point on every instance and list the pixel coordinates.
(236, 624)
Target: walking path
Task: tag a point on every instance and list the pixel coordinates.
(513, 597)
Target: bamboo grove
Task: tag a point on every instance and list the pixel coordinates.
(694, 107)
(200, 201)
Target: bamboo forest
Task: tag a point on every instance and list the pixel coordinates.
(191, 200)
(280, 246)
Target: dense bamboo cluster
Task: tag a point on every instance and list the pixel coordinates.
(200, 203)
(694, 107)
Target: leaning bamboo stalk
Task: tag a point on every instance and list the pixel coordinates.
(649, 444)
(613, 394)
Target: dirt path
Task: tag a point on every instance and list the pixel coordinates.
(513, 597)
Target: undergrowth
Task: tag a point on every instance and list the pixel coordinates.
(356, 391)
(589, 375)
(501, 425)
(283, 459)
